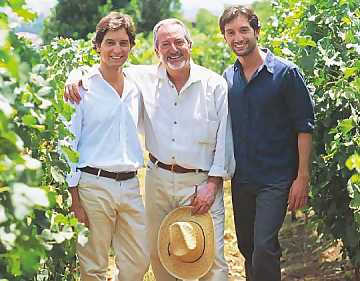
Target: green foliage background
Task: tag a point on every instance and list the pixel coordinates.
(37, 234)
(76, 19)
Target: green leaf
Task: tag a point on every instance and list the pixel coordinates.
(346, 126)
(24, 198)
(355, 202)
(60, 219)
(3, 217)
(25, 14)
(287, 52)
(57, 174)
(14, 264)
(349, 71)
(5, 107)
(353, 162)
(72, 155)
(83, 235)
(31, 163)
(7, 239)
(29, 120)
(306, 41)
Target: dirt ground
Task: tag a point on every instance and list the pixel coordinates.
(305, 256)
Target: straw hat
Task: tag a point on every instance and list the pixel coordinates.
(186, 243)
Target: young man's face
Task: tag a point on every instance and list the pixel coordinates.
(114, 48)
(172, 48)
(240, 36)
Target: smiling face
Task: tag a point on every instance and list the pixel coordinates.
(114, 49)
(240, 36)
(172, 48)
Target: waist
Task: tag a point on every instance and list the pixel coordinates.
(120, 176)
(173, 167)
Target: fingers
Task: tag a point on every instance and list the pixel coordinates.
(297, 202)
(74, 93)
(196, 206)
(66, 93)
(203, 209)
(199, 207)
(86, 220)
(290, 201)
(81, 216)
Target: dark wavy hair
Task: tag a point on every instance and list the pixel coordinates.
(114, 21)
(233, 12)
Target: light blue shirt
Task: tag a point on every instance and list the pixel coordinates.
(105, 127)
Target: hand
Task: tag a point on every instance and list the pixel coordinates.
(72, 92)
(80, 214)
(299, 193)
(204, 198)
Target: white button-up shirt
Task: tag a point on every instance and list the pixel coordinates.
(105, 127)
(190, 128)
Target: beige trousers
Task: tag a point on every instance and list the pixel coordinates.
(165, 191)
(116, 216)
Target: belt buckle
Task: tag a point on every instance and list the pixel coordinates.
(172, 167)
(117, 177)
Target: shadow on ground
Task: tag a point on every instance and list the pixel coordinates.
(306, 257)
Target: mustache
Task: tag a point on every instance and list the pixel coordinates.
(175, 54)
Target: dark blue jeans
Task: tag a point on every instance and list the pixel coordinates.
(259, 212)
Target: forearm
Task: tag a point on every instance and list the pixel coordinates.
(215, 182)
(74, 196)
(304, 147)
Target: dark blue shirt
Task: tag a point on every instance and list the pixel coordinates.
(267, 113)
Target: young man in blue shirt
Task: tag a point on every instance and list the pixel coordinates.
(272, 121)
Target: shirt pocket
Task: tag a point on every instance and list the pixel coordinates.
(208, 133)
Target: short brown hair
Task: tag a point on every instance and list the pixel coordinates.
(233, 12)
(114, 21)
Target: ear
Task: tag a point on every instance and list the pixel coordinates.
(157, 52)
(98, 48)
(257, 33)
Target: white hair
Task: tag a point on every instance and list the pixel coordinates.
(168, 22)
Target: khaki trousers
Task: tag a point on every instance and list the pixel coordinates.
(165, 191)
(116, 216)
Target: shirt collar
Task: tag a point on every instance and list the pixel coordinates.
(268, 62)
(195, 73)
(94, 71)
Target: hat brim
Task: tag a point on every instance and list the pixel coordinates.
(176, 267)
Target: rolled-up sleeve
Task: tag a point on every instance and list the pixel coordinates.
(224, 161)
(299, 102)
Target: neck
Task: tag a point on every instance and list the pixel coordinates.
(111, 74)
(252, 60)
(179, 76)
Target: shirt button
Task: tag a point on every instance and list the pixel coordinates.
(175, 103)
(173, 139)
(173, 157)
(175, 122)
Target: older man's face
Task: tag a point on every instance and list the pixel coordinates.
(172, 47)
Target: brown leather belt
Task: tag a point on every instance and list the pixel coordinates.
(121, 176)
(173, 167)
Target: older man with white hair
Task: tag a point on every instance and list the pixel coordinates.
(188, 136)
